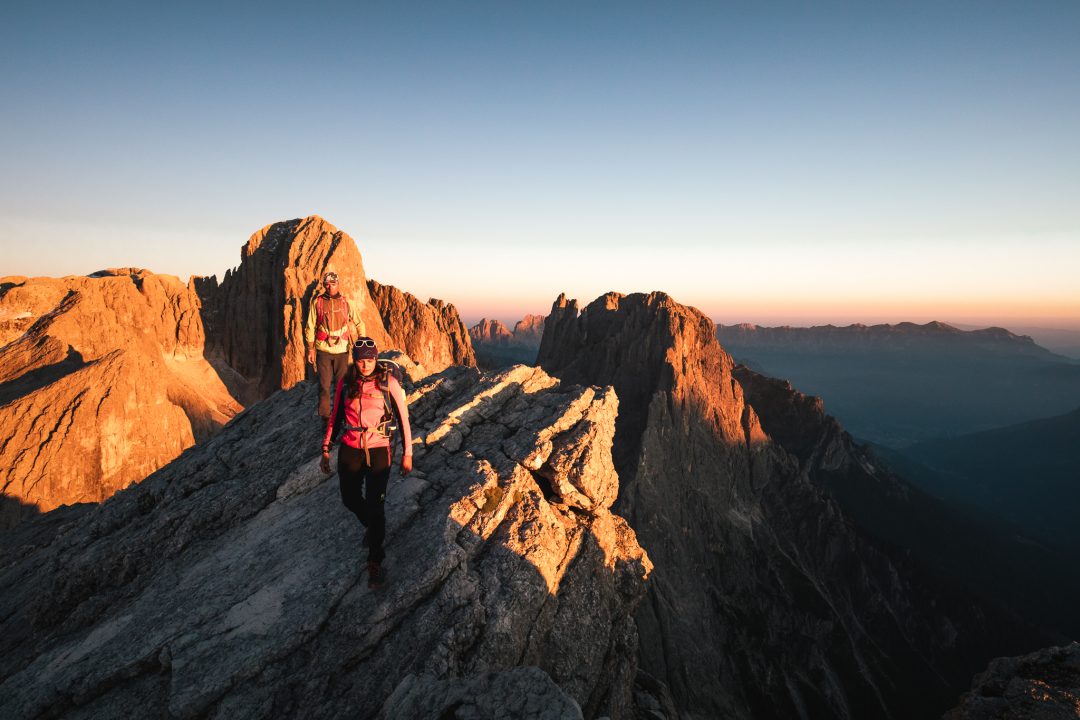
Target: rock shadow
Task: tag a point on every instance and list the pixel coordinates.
(13, 512)
(40, 377)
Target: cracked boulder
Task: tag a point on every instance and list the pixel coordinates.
(231, 583)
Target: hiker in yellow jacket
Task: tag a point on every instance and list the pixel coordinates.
(328, 335)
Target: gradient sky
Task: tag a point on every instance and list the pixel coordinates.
(766, 162)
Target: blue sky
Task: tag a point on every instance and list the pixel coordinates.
(765, 162)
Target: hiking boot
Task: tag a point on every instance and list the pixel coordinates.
(376, 576)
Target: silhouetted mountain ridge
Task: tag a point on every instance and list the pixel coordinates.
(898, 384)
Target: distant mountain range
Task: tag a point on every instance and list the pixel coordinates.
(496, 347)
(1059, 340)
(899, 384)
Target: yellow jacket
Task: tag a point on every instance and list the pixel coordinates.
(332, 341)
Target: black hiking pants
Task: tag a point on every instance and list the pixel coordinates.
(363, 490)
(331, 368)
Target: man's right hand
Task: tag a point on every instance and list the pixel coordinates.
(311, 356)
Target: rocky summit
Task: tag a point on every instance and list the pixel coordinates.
(256, 316)
(230, 583)
(102, 381)
(497, 347)
(489, 331)
(106, 378)
(430, 332)
(767, 599)
(529, 329)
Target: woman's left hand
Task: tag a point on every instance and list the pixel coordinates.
(406, 465)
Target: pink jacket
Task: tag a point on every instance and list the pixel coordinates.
(366, 411)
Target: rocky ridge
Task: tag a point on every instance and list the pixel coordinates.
(229, 583)
(767, 599)
(256, 316)
(258, 312)
(828, 338)
(102, 381)
(432, 333)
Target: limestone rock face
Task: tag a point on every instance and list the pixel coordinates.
(489, 331)
(1043, 685)
(205, 348)
(104, 383)
(431, 333)
(766, 601)
(497, 348)
(529, 329)
(259, 310)
(95, 315)
(24, 300)
(231, 582)
(256, 316)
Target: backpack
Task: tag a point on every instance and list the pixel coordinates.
(323, 331)
(388, 425)
(389, 368)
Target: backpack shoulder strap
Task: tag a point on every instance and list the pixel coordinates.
(389, 408)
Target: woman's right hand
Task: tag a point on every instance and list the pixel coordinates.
(324, 464)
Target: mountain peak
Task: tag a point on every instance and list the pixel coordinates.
(735, 518)
(489, 331)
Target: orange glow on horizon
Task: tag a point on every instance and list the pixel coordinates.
(812, 311)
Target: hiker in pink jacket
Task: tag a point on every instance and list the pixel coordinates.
(366, 402)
